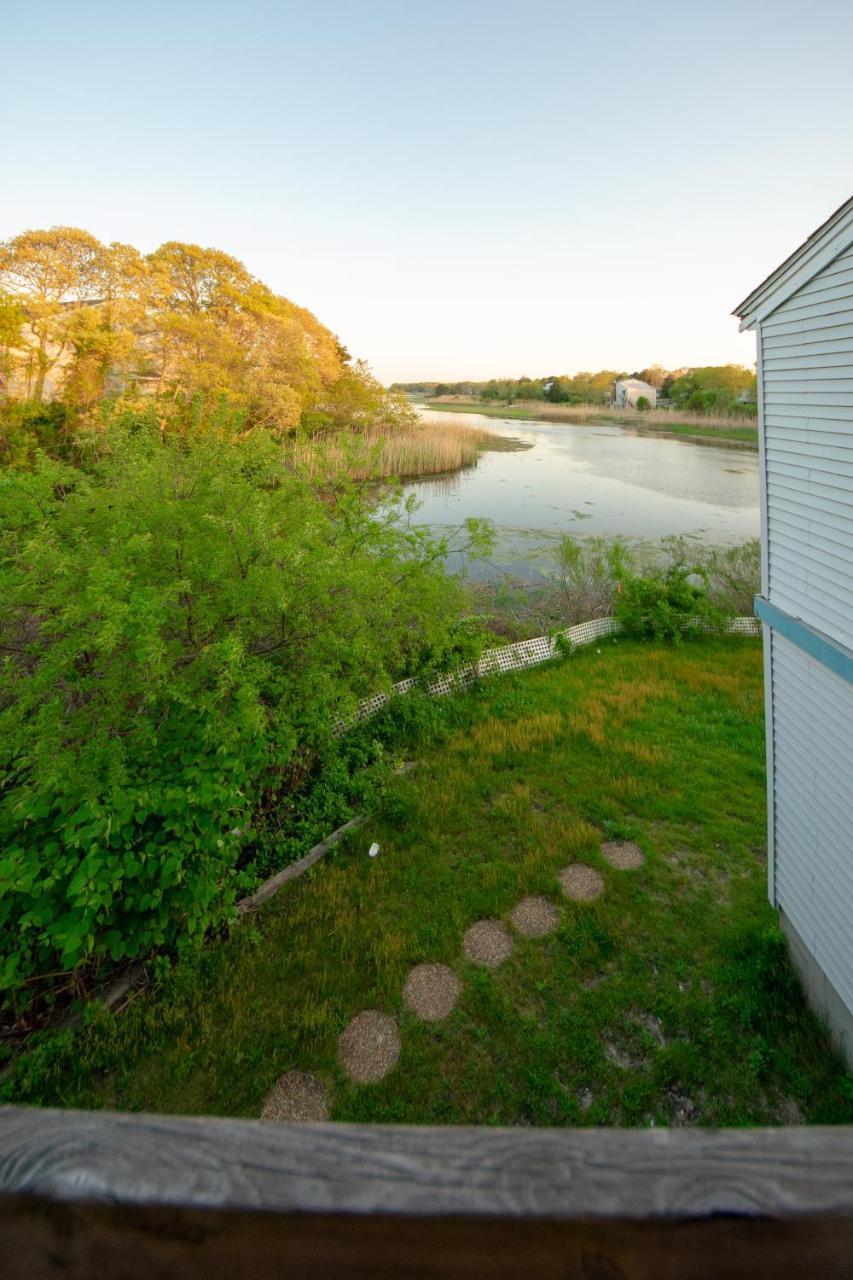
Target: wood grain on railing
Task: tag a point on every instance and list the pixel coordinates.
(127, 1196)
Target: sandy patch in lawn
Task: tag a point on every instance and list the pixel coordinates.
(580, 882)
(369, 1047)
(487, 942)
(431, 991)
(535, 916)
(624, 855)
(297, 1098)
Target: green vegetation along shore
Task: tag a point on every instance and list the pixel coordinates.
(668, 999)
(704, 427)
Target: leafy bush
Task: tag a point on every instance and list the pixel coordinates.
(643, 402)
(663, 603)
(589, 571)
(26, 427)
(182, 620)
(734, 577)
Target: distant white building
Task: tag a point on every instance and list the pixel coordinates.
(627, 391)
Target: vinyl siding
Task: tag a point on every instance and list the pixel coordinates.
(813, 818)
(807, 364)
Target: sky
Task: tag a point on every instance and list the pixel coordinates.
(465, 189)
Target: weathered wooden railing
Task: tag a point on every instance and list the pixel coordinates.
(122, 1197)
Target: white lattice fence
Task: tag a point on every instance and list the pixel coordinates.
(515, 657)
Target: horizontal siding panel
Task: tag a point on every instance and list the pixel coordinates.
(828, 500)
(829, 418)
(818, 914)
(789, 520)
(808, 329)
(813, 743)
(833, 458)
(804, 360)
(800, 893)
(825, 566)
(795, 381)
(835, 305)
(796, 598)
(833, 715)
(821, 289)
(822, 935)
(817, 488)
(806, 878)
(838, 272)
(844, 262)
(806, 398)
(814, 437)
(803, 797)
(834, 473)
(833, 519)
(833, 735)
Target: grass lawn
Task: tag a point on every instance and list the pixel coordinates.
(668, 1000)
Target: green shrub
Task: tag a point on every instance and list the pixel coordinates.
(182, 620)
(666, 602)
(588, 573)
(28, 427)
(643, 403)
(734, 577)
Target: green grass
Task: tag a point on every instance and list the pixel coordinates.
(710, 432)
(668, 1000)
(488, 410)
(749, 434)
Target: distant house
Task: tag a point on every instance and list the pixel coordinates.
(802, 315)
(627, 391)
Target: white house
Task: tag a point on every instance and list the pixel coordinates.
(803, 318)
(627, 391)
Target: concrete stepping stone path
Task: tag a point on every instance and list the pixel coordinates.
(488, 943)
(580, 882)
(297, 1098)
(431, 991)
(624, 855)
(369, 1047)
(534, 917)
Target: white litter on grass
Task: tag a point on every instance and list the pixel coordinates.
(373, 850)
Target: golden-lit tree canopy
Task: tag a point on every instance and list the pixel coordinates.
(81, 321)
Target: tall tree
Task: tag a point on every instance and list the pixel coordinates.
(52, 274)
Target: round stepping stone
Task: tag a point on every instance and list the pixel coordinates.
(580, 882)
(624, 855)
(431, 991)
(297, 1098)
(535, 916)
(487, 942)
(369, 1047)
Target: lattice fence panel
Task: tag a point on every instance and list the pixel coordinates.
(744, 627)
(517, 657)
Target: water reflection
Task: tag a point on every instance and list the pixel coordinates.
(586, 479)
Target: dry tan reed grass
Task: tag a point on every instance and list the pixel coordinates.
(633, 417)
(419, 449)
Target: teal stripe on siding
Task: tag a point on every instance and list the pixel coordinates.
(833, 655)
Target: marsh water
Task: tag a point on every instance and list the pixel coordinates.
(591, 479)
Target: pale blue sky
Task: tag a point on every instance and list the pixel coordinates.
(458, 189)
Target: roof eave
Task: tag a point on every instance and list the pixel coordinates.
(829, 240)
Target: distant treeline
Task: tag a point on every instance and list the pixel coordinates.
(711, 388)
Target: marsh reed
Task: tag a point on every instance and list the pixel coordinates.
(405, 451)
